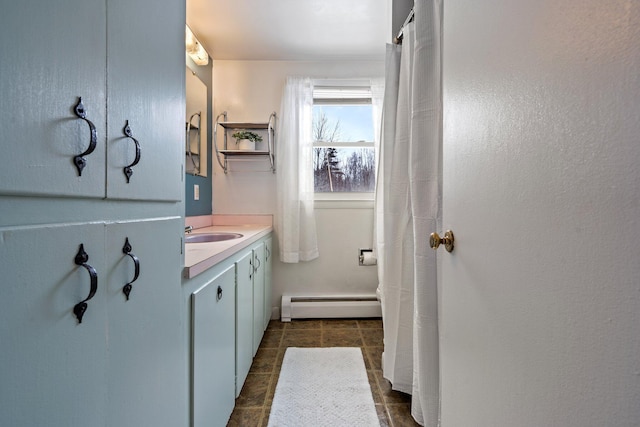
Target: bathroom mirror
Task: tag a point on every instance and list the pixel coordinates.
(195, 125)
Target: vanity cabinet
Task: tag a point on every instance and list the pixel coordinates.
(106, 53)
(213, 351)
(120, 361)
(244, 318)
(258, 294)
(215, 323)
(250, 306)
(268, 253)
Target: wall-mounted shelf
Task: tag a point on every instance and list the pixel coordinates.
(224, 154)
(244, 152)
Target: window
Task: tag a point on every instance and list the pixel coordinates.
(343, 148)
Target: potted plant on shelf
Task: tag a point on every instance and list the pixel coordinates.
(246, 140)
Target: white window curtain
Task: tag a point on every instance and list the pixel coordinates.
(295, 218)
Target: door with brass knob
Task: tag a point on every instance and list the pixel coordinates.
(435, 240)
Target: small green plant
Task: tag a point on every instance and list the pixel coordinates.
(244, 134)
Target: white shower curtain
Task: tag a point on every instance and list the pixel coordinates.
(295, 220)
(408, 209)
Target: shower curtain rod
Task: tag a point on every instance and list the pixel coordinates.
(398, 38)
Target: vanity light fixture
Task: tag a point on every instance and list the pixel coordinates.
(194, 48)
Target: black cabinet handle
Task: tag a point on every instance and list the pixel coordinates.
(81, 259)
(268, 253)
(127, 169)
(80, 161)
(257, 266)
(251, 269)
(136, 262)
(219, 295)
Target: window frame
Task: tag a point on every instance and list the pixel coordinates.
(349, 89)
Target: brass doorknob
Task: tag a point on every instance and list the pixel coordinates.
(435, 240)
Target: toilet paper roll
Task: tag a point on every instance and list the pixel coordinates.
(368, 258)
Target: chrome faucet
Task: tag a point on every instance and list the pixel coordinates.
(188, 229)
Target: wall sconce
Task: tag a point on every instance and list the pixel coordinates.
(195, 49)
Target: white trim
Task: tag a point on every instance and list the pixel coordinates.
(341, 101)
(345, 94)
(329, 91)
(366, 82)
(344, 195)
(329, 306)
(343, 204)
(335, 144)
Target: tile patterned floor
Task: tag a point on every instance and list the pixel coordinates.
(254, 403)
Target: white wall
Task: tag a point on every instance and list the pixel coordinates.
(250, 91)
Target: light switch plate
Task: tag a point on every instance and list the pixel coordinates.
(196, 192)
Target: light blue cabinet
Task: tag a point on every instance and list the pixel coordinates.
(244, 317)
(258, 294)
(51, 53)
(124, 364)
(212, 397)
(143, 60)
(268, 254)
(115, 366)
(54, 53)
(213, 352)
(145, 361)
(51, 363)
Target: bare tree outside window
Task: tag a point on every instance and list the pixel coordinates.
(323, 131)
(340, 169)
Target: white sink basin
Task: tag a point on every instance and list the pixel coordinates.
(211, 237)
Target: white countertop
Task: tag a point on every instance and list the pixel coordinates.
(199, 257)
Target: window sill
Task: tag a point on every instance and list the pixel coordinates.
(343, 201)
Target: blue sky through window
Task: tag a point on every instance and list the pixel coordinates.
(356, 121)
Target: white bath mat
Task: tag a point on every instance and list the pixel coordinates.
(323, 387)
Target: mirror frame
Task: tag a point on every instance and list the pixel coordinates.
(196, 125)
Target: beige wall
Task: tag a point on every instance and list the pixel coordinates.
(250, 91)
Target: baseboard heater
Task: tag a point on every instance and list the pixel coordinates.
(329, 306)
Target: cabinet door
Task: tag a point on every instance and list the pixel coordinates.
(244, 319)
(146, 87)
(147, 383)
(267, 281)
(53, 368)
(52, 53)
(258, 295)
(213, 353)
